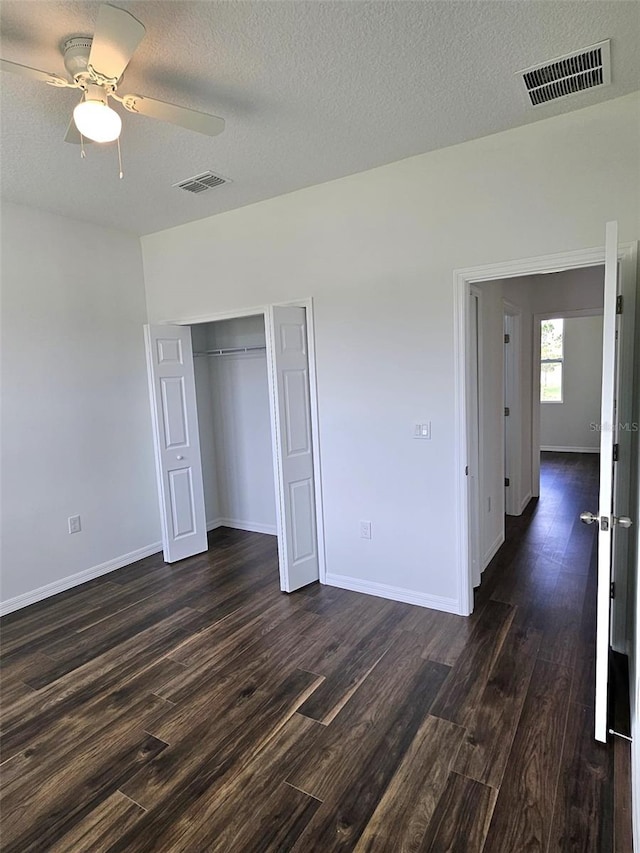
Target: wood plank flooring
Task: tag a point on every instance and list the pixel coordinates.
(195, 708)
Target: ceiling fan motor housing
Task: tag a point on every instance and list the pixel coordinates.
(76, 55)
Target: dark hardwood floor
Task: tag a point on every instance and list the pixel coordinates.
(196, 708)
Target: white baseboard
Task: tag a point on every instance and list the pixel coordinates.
(571, 449)
(492, 550)
(524, 502)
(237, 524)
(395, 593)
(70, 581)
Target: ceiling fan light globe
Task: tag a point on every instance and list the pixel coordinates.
(97, 121)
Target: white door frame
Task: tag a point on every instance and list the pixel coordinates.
(264, 311)
(513, 398)
(462, 280)
(475, 397)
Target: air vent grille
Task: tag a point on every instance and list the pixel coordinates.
(201, 183)
(567, 75)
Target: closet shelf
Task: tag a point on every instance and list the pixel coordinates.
(230, 350)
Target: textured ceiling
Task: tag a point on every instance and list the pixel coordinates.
(310, 91)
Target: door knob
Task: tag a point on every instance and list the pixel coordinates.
(625, 521)
(179, 457)
(588, 517)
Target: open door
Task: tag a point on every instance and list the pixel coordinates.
(293, 457)
(177, 443)
(606, 518)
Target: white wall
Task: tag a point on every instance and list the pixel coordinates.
(235, 426)
(76, 429)
(570, 424)
(376, 251)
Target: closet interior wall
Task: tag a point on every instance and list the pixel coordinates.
(235, 424)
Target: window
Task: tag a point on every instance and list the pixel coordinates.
(551, 360)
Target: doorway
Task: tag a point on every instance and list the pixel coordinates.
(233, 400)
(617, 369)
(472, 280)
(234, 424)
(512, 365)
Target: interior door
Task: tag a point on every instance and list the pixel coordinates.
(508, 417)
(293, 458)
(177, 442)
(605, 517)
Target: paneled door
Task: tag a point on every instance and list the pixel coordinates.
(293, 456)
(607, 515)
(177, 442)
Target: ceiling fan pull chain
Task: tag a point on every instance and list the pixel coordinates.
(120, 160)
(83, 153)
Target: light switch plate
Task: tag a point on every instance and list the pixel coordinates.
(422, 430)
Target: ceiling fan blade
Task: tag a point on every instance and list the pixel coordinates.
(116, 37)
(73, 135)
(35, 74)
(182, 116)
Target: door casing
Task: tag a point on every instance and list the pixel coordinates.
(474, 432)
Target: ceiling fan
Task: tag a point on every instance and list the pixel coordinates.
(96, 65)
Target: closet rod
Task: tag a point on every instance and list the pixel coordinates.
(230, 350)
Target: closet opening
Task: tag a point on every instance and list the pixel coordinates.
(234, 423)
(234, 412)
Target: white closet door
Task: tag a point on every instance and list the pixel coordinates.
(177, 443)
(294, 456)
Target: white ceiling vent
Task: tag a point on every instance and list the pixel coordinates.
(567, 75)
(200, 183)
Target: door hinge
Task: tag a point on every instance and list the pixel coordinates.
(612, 590)
(619, 304)
(616, 452)
(507, 339)
(466, 470)
(506, 482)
(507, 411)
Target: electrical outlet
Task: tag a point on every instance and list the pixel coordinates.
(365, 530)
(74, 524)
